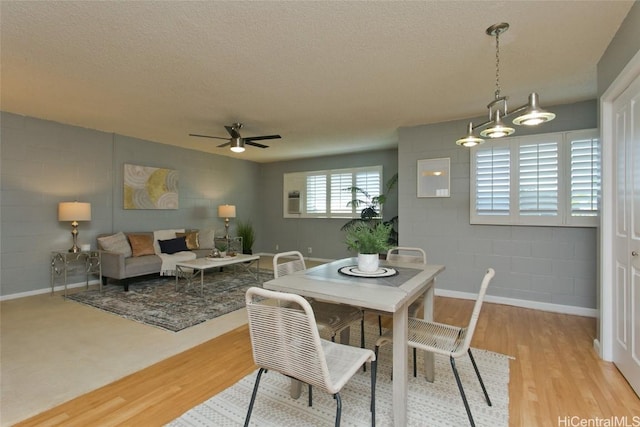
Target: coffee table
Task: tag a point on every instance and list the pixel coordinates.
(190, 269)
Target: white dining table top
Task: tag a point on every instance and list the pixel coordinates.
(326, 283)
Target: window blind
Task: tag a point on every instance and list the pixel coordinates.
(493, 177)
(586, 180)
(538, 179)
(340, 198)
(316, 194)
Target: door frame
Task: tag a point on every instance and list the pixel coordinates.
(603, 343)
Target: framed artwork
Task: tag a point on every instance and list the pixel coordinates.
(150, 188)
(434, 177)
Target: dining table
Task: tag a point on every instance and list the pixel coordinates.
(392, 289)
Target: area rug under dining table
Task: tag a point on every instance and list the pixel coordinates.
(430, 404)
(155, 301)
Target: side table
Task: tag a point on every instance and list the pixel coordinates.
(62, 260)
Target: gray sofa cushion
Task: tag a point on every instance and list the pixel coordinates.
(137, 266)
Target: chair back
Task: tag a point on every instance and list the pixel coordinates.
(404, 254)
(473, 321)
(287, 267)
(284, 336)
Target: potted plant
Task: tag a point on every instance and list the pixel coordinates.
(368, 239)
(223, 249)
(245, 230)
(372, 208)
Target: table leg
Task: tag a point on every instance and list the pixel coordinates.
(295, 389)
(429, 360)
(202, 282)
(400, 365)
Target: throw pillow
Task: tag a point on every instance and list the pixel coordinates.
(172, 246)
(205, 239)
(141, 244)
(191, 238)
(164, 235)
(116, 243)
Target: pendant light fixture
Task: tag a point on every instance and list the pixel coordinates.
(530, 114)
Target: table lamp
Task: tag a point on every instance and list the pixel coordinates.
(226, 212)
(74, 212)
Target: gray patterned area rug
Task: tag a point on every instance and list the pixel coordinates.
(429, 404)
(156, 302)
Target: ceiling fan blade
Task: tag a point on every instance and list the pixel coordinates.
(233, 132)
(259, 138)
(207, 136)
(225, 144)
(255, 144)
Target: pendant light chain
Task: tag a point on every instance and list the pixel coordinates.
(497, 94)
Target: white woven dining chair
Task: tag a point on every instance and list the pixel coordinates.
(285, 339)
(448, 340)
(331, 318)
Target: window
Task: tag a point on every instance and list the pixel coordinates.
(551, 179)
(322, 193)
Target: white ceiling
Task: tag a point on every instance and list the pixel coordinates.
(330, 77)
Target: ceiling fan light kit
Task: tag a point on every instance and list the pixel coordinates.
(530, 114)
(236, 142)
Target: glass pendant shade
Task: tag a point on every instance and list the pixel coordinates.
(470, 140)
(498, 128)
(533, 114)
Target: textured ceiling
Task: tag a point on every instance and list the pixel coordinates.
(330, 77)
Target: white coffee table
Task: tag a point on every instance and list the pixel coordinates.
(190, 269)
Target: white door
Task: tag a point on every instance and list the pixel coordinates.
(626, 288)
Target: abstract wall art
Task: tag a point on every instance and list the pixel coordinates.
(150, 188)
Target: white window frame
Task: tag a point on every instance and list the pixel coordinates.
(565, 216)
(297, 182)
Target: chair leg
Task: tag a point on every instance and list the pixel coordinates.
(253, 396)
(374, 372)
(380, 324)
(338, 408)
(473, 361)
(415, 358)
(310, 395)
(364, 366)
(464, 397)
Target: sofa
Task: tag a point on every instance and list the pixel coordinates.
(126, 256)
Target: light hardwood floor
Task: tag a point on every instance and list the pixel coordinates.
(555, 379)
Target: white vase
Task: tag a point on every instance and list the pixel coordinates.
(368, 263)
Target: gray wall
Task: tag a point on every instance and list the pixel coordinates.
(322, 235)
(43, 163)
(541, 264)
(624, 45)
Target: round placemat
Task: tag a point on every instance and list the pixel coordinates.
(352, 270)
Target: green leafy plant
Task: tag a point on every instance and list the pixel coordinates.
(372, 208)
(222, 247)
(245, 230)
(367, 237)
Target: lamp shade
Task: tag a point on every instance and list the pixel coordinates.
(226, 211)
(74, 211)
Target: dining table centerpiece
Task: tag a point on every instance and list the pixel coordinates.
(369, 240)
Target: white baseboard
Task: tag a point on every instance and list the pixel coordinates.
(535, 305)
(48, 290)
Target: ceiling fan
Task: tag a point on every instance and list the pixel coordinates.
(236, 141)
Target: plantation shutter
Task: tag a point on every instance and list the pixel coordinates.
(316, 200)
(369, 181)
(492, 181)
(585, 177)
(538, 179)
(339, 197)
